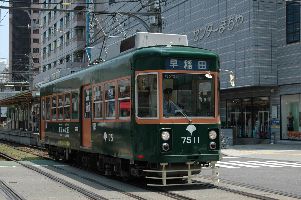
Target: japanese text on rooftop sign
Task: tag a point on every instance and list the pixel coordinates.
(180, 64)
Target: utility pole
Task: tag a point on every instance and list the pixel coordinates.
(155, 20)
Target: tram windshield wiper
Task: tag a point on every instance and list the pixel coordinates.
(180, 110)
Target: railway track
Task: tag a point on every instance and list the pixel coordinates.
(138, 185)
(160, 191)
(9, 192)
(72, 186)
(248, 186)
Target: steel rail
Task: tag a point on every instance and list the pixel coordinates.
(100, 183)
(9, 192)
(254, 187)
(72, 186)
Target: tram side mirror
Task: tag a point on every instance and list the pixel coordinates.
(232, 79)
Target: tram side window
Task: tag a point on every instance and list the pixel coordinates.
(97, 100)
(124, 102)
(48, 108)
(60, 107)
(53, 107)
(147, 94)
(110, 100)
(67, 106)
(75, 112)
(43, 109)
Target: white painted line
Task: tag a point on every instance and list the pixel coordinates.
(7, 166)
(226, 166)
(288, 164)
(262, 164)
(237, 163)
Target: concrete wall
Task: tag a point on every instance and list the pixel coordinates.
(245, 44)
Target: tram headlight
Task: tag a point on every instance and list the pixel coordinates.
(212, 145)
(165, 135)
(165, 146)
(212, 135)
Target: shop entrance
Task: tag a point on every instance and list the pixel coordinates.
(249, 117)
(263, 123)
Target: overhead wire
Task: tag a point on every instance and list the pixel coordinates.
(138, 10)
(79, 3)
(3, 17)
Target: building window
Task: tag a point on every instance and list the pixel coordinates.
(35, 40)
(36, 60)
(35, 50)
(36, 31)
(68, 58)
(291, 117)
(292, 22)
(61, 23)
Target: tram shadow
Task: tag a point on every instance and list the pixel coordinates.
(79, 177)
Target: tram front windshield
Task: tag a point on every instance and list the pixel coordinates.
(189, 95)
(184, 95)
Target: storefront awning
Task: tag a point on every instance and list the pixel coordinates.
(18, 99)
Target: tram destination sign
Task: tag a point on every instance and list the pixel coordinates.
(186, 64)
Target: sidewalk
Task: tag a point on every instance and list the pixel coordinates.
(284, 152)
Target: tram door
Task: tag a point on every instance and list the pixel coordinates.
(42, 120)
(86, 116)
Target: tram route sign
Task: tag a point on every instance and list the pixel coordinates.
(186, 64)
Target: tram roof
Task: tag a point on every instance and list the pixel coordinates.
(145, 52)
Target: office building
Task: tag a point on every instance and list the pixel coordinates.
(62, 40)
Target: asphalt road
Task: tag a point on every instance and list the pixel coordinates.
(278, 175)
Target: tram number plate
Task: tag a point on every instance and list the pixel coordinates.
(190, 140)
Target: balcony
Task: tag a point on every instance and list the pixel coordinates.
(67, 23)
(78, 38)
(79, 20)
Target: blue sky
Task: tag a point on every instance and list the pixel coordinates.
(4, 38)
